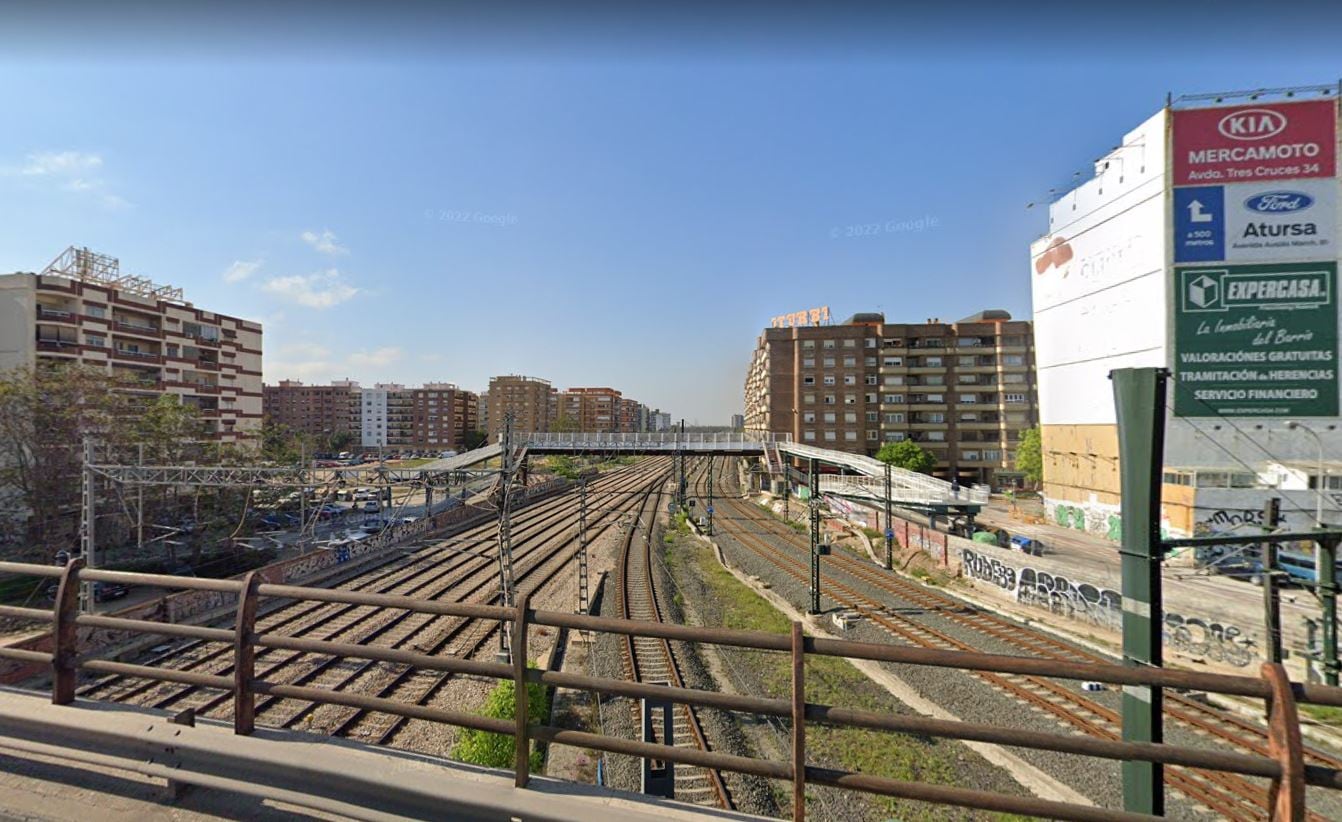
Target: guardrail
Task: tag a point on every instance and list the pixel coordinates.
(1284, 766)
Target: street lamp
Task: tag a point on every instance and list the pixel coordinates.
(1292, 425)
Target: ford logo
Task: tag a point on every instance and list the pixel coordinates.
(1279, 202)
(1252, 124)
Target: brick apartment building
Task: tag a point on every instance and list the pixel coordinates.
(964, 391)
(82, 309)
(596, 409)
(436, 416)
(532, 401)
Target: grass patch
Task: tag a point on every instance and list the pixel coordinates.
(830, 681)
(1325, 714)
(493, 750)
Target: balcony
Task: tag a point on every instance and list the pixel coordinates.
(47, 314)
(139, 356)
(53, 345)
(142, 329)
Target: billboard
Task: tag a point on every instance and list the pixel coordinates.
(1256, 340)
(1254, 142)
(1256, 222)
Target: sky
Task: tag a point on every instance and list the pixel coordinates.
(422, 195)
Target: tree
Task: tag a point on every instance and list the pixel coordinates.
(908, 455)
(45, 415)
(1030, 455)
(475, 439)
(281, 444)
(339, 441)
(565, 424)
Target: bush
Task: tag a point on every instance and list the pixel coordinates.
(493, 750)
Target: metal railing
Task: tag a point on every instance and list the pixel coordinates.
(1284, 765)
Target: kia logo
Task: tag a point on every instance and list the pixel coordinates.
(1279, 202)
(1252, 124)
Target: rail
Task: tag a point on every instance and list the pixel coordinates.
(1284, 766)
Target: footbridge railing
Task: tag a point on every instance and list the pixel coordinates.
(742, 442)
(905, 484)
(1282, 763)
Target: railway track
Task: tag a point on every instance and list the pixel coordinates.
(1228, 795)
(653, 660)
(447, 570)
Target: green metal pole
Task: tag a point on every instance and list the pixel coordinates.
(1139, 399)
(889, 525)
(1328, 594)
(815, 540)
(1271, 598)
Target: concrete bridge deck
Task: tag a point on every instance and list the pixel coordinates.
(106, 761)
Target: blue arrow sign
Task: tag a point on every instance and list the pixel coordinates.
(710, 509)
(1199, 224)
(889, 533)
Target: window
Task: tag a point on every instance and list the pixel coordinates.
(808, 399)
(871, 379)
(808, 344)
(872, 435)
(808, 435)
(967, 342)
(808, 362)
(893, 362)
(894, 379)
(849, 379)
(869, 342)
(96, 311)
(936, 436)
(809, 379)
(935, 379)
(967, 379)
(895, 436)
(894, 417)
(871, 398)
(829, 344)
(850, 399)
(808, 416)
(1013, 359)
(965, 362)
(992, 456)
(850, 436)
(1013, 378)
(829, 379)
(828, 362)
(969, 455)
(869, 362)
(850, 343)
(935, 398)
(932, 362)
(850, 417)
(893, 398)
(872, 416)
(830, 416)
(830, 436)
(1014, 340)
(95, 340)
(829, 399)
(1015, 398)
(850, 362)
(935, 416)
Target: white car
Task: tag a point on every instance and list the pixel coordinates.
(372, 506)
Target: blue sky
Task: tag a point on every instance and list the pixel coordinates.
(592, 215)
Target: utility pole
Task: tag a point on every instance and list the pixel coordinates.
(505, 538)
(815, 540)
(710, 495)
(582, 548)
(303, 489)
(1139, 400)
(680, 449)
(787, 490)
(1271, 599)
(139, 498)
(1327, 565)
(889, 525)
(86, 521)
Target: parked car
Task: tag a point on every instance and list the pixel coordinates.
(1026, 545)
(371, 506)
(108, 591)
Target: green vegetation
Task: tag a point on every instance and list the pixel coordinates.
(563, 466)
(829, 681)
(908, 455)
(1326, 714)
(493, 750)
(1029, 456)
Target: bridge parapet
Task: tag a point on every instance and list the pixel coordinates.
(741, 442)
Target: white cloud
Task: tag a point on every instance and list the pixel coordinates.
(69, 171)
(377, 357)
(324, 243)
(60, 163)
(320, 290)
(241, 270)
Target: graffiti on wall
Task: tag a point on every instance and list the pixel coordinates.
(1103, 607)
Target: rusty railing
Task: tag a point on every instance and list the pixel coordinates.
(1284, 767)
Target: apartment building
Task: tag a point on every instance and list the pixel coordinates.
(964, 391)
(596, 409)
(82, 309)
(533, 403)
(318, 411)
(436, 416)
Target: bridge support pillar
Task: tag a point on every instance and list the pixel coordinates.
(659, 775)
